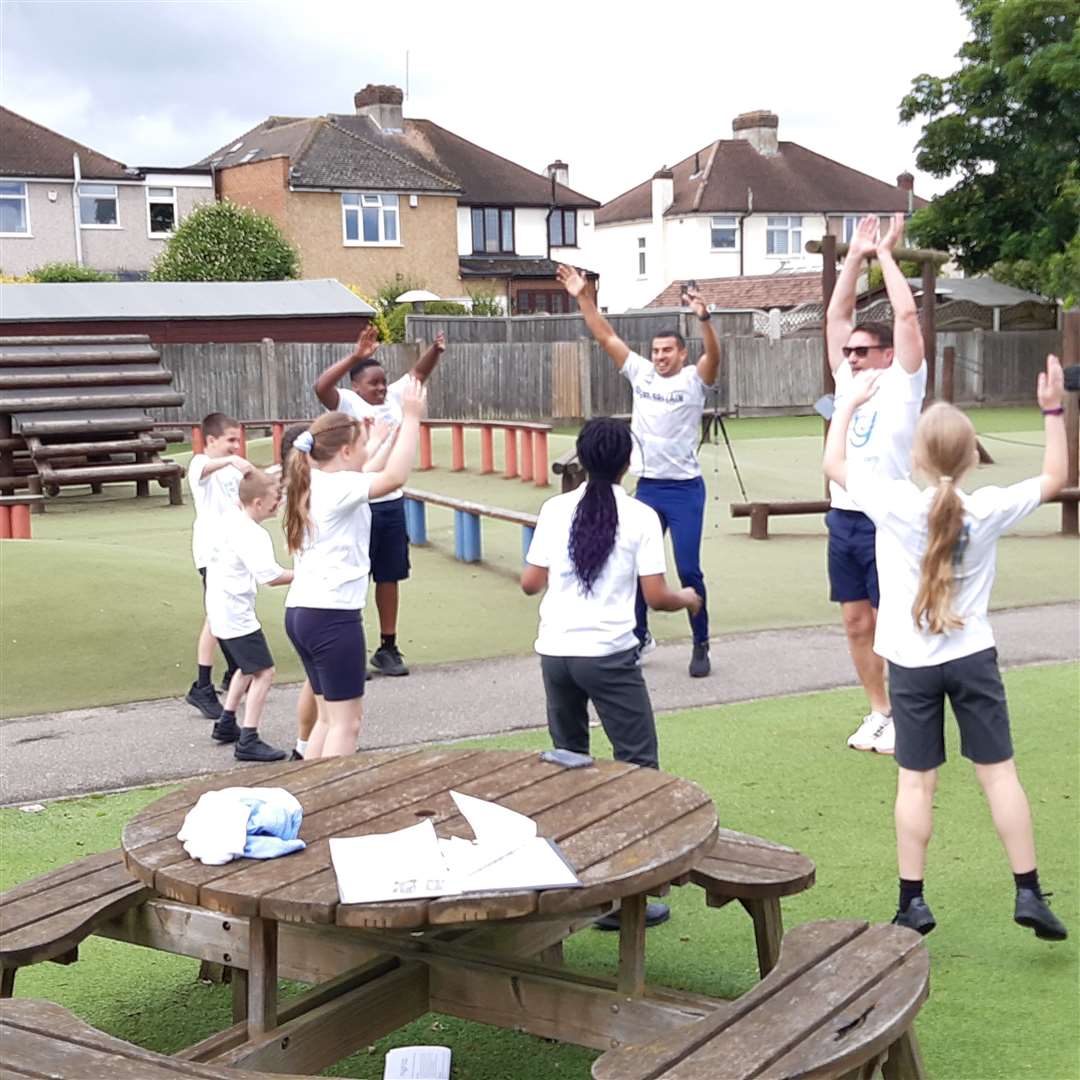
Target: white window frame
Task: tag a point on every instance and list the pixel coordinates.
(788, 228)
(116, 197)
(159, 199)
(847, 233)
(364, 201)
(642, 258)
(28, 232)
(730, 221)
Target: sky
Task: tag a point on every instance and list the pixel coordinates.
(615, 89)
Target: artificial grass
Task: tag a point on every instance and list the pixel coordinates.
(1000, 1002)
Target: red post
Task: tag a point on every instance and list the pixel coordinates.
(20, 521)
(526, 456)
(511, 469)
(277, 432)
(487, 450)
(457, 448)
(540, 458)
(197, 443)
(5, 522)
(425, 447)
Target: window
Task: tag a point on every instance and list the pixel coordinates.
(161, 210)
(369, 218)
(783, 236)
(723, 233)
(850, 225)
(14, 209)
(554, 302)
(97, 205)
(562, 228)
(492, 230)
(641, 256)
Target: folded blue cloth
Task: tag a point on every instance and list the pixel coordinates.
(259, 823)
(272, 829)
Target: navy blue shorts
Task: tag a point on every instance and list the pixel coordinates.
(250, 653)
(852, 565)
(389, 542)
(330, 644)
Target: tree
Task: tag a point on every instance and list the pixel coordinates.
(221, 241)
(1008, 121)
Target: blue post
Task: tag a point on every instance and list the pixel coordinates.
(526, 539)
(466, 536)
(416, 521)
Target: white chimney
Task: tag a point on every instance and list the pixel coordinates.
(759, 129)
(382, 104)
(560, 171)
(663, 192)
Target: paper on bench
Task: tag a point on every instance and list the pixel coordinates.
(390, 866)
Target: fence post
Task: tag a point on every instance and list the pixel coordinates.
(277, 432)
(5, 522)
(487, 450)
(540, 458)
(416, 520)
(457, 444)
(510, 469)
(197, 443)
(526, 456)
(948, 373)
(20, 521)
(425, 446)
(269, 379)
(526, 539)
(467, 547)
(243, 441)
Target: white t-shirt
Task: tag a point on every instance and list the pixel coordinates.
(390, 412)
(666, 420)
(242, 559)
(899, 510)
(213, 497)
(602, 622)
(331, 569)
(883, 428)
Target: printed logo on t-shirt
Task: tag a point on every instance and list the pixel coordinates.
(673, 397)
(862, 428)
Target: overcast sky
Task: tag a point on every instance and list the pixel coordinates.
(616, 90)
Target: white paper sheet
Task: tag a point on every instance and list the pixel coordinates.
(418, 1063)
(390, 866)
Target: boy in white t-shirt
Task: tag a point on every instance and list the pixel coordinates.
(371, 398)
(214, 479)
(242, 560)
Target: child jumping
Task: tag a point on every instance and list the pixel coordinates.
(242, 560)
(936, 551)
(328, 529)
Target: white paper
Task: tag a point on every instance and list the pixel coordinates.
(390, 866)
(418, 1063)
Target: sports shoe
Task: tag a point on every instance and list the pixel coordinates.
(1033, 912)
(655, 914)
(225, 731)
(296, 755)
(254, 749)
(699, 661)
(872, 728)
(918, 917)
(885, 739)
(387, 660)
(205, 700)
(646, 646)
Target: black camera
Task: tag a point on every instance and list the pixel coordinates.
(1072, 378)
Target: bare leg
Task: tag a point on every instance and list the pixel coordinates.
(914, 820)
(860, 619)
(344, 727)
(319, 731)
(237, 688)
(386, 601)
(261, 682)
(307, 712)
(207, 644)
(1010, 811)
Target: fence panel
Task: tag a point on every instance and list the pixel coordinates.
(767, 377)
(214, 378)
(1011, 362)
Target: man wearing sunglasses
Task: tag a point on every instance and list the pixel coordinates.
(880, 439)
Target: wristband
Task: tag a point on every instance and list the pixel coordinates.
(1059, 411)
(705, 318)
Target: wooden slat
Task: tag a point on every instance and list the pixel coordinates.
(105, 474)
(80, 421)
(71, 872)
(144, 444)
(129, 375)
(55, 900)
(45, 400)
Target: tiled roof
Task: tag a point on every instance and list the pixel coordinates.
(761, 292)
(719, 177)
(28, 149)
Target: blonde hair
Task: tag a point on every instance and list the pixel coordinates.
(255, 485)
(330, 433)
(944, 449)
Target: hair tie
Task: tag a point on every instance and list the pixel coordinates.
(304, 442)
(944, 479)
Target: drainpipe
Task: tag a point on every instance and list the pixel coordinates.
(75, 208)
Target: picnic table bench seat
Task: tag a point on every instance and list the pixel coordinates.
(46, 918)
(841, 1002)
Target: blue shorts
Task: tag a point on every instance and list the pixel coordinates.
(389, 550)
(852, 565)
(330, 644)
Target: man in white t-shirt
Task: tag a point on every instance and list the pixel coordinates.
(879, 440)
(669, 398)
(371, 398)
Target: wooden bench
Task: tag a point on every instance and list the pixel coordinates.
(841, 1002)
(468, 544)
(38, 1038)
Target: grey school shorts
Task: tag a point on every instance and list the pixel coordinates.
(974, 689)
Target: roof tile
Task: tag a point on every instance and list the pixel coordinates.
(28, 149)
(760, 292)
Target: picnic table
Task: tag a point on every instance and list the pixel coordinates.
(625, 830)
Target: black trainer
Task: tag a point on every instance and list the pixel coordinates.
(226, 731)
(387, 660)
(699, 661)
(1034, 912)
(296, 755)
(918, 917)
(655, 914)
(252, 748)
(205, 700)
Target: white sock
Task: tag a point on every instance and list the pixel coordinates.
(301, 746)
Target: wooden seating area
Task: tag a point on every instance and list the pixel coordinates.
(73, 411)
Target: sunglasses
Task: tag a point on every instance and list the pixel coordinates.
(861, 351)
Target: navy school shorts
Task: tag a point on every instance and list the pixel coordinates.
(852, 563)
(330, 644)
(389, 550)
(250, 653)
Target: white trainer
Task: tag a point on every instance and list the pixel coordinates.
(885, 738)
(872, 727)
(646, 647)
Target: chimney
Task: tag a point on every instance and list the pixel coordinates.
(906, 182)
(759, 129)
(382, 104)
(663, 192)
(560, 171)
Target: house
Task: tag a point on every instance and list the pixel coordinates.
(61, 201)
(370, 196)
(739, 206)
(754, 292)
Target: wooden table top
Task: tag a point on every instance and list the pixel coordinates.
(624, 829)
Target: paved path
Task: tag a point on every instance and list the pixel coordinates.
(86, 750)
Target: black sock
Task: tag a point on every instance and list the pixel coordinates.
(389, 641)
(228, 716)
(908, 891)
(204, 675)
(1030, 880)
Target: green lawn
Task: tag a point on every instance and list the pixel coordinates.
(1002, 1005)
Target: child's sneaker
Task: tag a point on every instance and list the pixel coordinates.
(648, 645)
(225, 731)
(205, 700)
(885, 739)
(1034, 912)
(918, 917)
(872, 727)
(252, 748)
(387, 660)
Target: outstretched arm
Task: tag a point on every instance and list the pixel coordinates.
(396, 470)
(840, 317)
(907, 335)
(578, 287)
(326, 384)
(426, 364)
(709, 364)
(1051, 394)
(834, 464)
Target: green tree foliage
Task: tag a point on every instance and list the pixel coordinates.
(396, 316)
(485, 302)
(53, 273)
(221, 241)
(1008, 122)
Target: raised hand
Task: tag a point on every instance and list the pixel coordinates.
(571, 280)
(694, 300)
(414, 399)
(865, 238)
(893, 236)
(368, 342)
(692, 600)
(865, 385)
(1050, 389)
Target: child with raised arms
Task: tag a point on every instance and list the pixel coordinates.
(936, 551)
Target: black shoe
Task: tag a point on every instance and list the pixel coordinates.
(387, 660)
(699, 661)
(655, 914)
(254, 749)
(918, 917)
(205, 700)
(225, 731)
(1033, 912)
(296, 755)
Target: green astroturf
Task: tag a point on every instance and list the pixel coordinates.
(1002, 1004)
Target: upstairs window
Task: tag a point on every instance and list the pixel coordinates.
(492, 230)
(370, 218)
(783, 236)
(14, 209)
(161, 210)
(641, 256)
(98, 205)
(723, 233)
(562, 228)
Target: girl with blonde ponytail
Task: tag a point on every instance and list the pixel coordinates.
(936, 551)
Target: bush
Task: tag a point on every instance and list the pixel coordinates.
(395, 318)
(388, 290)
(486, 302)
(59, 272)
(379, 319)
(221, 241)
